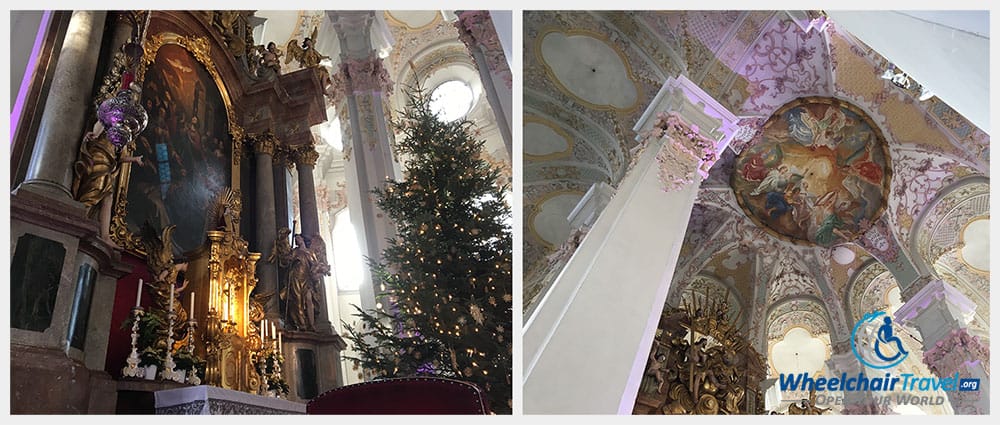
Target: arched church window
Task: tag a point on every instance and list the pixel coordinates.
(451, 100)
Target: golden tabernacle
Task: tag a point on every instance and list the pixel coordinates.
(222, 279)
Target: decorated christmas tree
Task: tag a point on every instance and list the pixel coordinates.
(445, 278)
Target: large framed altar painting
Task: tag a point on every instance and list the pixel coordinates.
(186, 149)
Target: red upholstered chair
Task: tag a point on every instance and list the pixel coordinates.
(402, 396)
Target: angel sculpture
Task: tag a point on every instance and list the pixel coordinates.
(160, 259)
(318, 247)
(281, 249)
(306, 53)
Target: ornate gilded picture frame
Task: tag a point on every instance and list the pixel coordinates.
(190, 149)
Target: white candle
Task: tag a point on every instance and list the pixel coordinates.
(191, 313)
(138, 294)
(171, 297)
(262, 330)
(273, 331)
(279, 342)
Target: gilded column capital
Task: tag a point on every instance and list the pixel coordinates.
(264, 143)
(305, 155)
(283, 155)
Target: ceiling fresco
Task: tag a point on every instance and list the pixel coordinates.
(819, 170)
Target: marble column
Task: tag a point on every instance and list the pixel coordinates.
(362, 86)
(305, 158)
(475, 29)
(942, 313)
(267, 272)
(63, 118)
(565, 336)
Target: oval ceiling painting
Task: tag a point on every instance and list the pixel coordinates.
(819, 173)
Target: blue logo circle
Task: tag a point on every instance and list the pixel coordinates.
(884, 337)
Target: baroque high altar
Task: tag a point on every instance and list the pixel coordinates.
(168, 211)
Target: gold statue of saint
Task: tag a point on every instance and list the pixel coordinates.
(300, 294)
(95, 173)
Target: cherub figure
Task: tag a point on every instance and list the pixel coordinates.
(268, 60)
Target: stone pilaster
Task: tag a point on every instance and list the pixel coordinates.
(476, 30)
(558, 363)
(361, 86)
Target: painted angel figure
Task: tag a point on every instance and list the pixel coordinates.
(305, 53)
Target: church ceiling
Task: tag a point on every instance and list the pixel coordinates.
(734, 267)
(805, 312)
(753, 63)
(847, 260)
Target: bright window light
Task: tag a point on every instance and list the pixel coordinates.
(346, 255)
(451, 100)
(330, 131)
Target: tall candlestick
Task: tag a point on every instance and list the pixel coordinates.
(191, 313)
(138, 294)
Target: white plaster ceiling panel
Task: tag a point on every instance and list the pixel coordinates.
(413, 19)
(590, 69)
(783, 64)
(541, 140)
(799, 351)
(550, 223)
